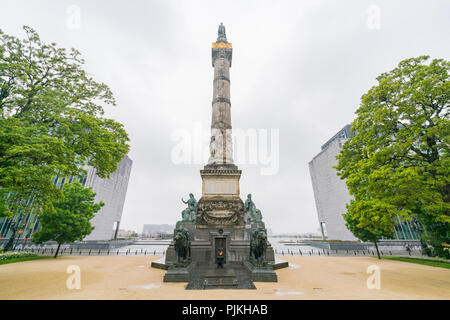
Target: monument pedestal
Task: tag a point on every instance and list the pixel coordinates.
(177, 274)
(261, 273)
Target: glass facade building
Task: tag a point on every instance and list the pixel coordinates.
(28, 223)
(111, 191)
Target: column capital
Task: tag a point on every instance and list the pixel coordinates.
(221, 51)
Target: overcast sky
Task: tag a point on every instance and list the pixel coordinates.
(299, 67)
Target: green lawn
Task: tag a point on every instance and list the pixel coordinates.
(439, 264)
(23, 259)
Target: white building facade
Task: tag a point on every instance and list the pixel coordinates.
(112, 192)
(330, 192)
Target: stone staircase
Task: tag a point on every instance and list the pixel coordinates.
(234, 275)
(220, 278)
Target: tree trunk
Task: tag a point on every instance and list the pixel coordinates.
(378, 252)
(57, 250)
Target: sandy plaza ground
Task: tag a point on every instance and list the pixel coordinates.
(110, 277)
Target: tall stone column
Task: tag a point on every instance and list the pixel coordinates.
(220, 204)
(221, 149)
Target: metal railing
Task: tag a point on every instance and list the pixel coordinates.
(346, 253)
(91, 252)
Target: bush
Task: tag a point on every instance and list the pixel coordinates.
(427, 251)
(12, 255)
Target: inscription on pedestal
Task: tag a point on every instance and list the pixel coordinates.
(213, 186)
(221, 213)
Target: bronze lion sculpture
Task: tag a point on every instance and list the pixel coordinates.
(258, 244)
(182, 244)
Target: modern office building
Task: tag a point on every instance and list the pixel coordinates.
(331, 194)
(111, 191)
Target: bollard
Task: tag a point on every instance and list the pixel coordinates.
(117, 252)
(318, 252)
(90, 251)
(126, 252)
(145, 253)
(136, 253)
(70, 250)
(328, 252)
(154, 253)
(310, 253)
(354, 252)
(98, 251)
(108, 252)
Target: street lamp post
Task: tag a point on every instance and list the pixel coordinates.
(20, 232)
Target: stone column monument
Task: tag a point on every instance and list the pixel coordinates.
(220, 227)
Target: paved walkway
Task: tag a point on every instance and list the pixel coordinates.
(307, 278)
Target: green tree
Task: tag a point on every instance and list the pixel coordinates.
(51, 123)
(70, 220)
(134, 234)
(370, 220)
(399, 155)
